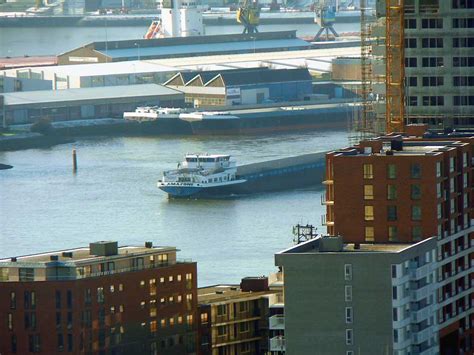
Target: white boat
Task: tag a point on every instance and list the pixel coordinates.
(153, 113)
(210, 115)
(201, 174)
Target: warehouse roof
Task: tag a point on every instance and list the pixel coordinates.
(115, 68)
(84, 94)
(205, 48)
(232, 77)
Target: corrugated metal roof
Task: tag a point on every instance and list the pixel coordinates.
(239, 77)
(211, 48)
(99, 93)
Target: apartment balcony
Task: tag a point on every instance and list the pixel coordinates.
(424, 335)
(420, 272)
(422, 314)
(423, 292)
(325, 201)
(277, 343)
(325, 221)
(277, 322)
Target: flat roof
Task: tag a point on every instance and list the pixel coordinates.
(225, 292)
(193, 49)
(80, 255)
(83, 94)
(113, 68)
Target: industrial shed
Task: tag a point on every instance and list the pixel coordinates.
(89, 103)
(246, 86)
(175, 47)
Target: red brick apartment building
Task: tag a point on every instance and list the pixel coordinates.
(402, 189)
(103, 299)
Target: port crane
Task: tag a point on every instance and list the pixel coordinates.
(325, 17)
(248, 15)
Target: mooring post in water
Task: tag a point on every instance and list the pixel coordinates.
(74, 161)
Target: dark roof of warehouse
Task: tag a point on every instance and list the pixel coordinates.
(244, 76)
(264, 76)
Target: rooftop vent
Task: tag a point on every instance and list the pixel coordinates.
(396, 144)
(67, 254)
(219, 292)
(149, 245)
(13, 260)
(53, 258)
(234, 288)
(357, 246)
(389, 152)
(103, 248)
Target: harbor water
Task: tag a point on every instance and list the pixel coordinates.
(52, 41)
(113, 196)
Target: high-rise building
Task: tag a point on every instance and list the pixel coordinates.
(396, 189)
(439, 61)
(99, 299)
(359, 298)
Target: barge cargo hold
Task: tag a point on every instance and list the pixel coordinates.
(250, 121)
(273, 175)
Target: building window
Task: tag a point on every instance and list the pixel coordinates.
(348, 293)
(204, 318)
(432, 62)
(163, 323)
(432, 23)
(411, 62)
(410, 23)
(416, 233)
(463, 61)
(394, 271)
(100, 294)
(221, 309)
(432, 43)
(58, 299)
(170, 278)
(433, 100)
(27, 274)
(412, 81)
(463, 80)
(243, 306)
(391, 192)
(392, 233)
(463, 4)
(438, 169)
(412, 100)
(391, 213)
(368, 192)
(463, 100)
(349, 337)
(348, 272)
(368, 171)
(221, 330)
(152, 283)
(60, 342)
(415, 191)
(171, 320)
(244, 327)
(394, 292)
(369, 213)
(369, 234)
(189, 319)
(391, 171)
(410, 43)
(10, 321)
(349, 315)
(416, 213)
(415, 171)
(189, 276)
(430, 81)
(463, 42)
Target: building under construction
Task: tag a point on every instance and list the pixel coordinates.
(417, 65)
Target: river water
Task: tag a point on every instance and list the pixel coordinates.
(52, 41)
(44, 206)
(113, 196)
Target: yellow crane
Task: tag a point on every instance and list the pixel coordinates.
(248, 15)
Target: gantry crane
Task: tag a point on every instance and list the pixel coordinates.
(248, 15)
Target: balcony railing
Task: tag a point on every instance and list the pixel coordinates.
(277, 343)
(77, 276)
(277, 322)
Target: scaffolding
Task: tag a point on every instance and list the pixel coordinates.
(395, 66)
